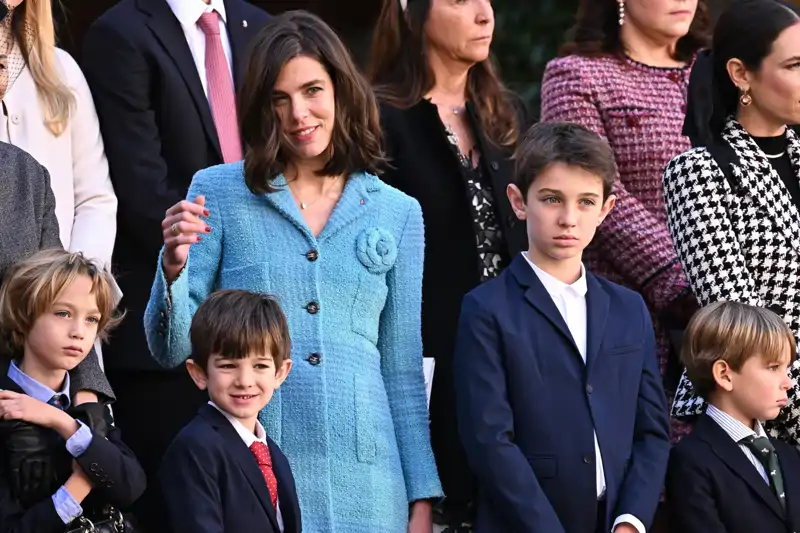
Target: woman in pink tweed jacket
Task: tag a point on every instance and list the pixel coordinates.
(624, 76)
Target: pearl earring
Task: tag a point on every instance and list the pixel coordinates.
(621, 4)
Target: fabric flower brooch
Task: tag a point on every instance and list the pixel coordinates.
(377, 250)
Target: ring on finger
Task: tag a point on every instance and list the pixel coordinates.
(174, 230)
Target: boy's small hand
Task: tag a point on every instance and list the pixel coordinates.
(16, 406)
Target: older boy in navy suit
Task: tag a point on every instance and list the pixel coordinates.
(727, 476)
(560, 404)
(222, 473)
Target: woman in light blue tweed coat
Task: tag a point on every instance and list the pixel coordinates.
(343, 254)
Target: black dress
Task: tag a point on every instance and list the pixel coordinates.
(471, 233)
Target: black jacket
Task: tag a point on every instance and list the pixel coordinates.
(34, 463)
(422, 165)
(158, 132)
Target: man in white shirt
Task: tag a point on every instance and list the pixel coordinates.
(163, 74)
(560, 404)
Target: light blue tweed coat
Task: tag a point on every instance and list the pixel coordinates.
(352, 419)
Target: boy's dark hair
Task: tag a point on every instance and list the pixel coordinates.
(236, 324)
(547, 143)
(732, 332)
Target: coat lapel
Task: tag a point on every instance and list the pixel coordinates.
(762, 181)
(729, 453)
(352, 204)
(244, 458)
(287, 496)
(240, 32)
(597, 304)
(168, 31)
(539, 298)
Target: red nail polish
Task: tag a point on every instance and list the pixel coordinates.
(206, 212)
(208, 229)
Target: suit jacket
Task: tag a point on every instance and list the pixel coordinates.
(351, 296)
(423, 166)
(27, 200)
(528, 405)
(212, 483)
(110, 465)
(713, 488)
(158, 132)
(738, 239)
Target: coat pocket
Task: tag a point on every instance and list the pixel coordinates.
(366, 445)
(544, 466)
(370, 298)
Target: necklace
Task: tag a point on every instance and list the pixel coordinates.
(775, 156)
(458, 110)
(306, 205)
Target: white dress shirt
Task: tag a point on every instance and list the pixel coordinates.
(738, 431)
(188, 13)
(570, 300)
(249, 438)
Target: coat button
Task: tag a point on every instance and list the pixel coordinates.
(15, 119)
(93, 467)
(588, 459)
(314, 359)
(312, 255)
(494, 165)
(589, 389)
(312, 308)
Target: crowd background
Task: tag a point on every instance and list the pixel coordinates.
(528, 34)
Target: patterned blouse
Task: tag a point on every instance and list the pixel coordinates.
(488, 236)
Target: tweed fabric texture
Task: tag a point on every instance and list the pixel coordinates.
(639, 110)
(738, 241)
(352, 416)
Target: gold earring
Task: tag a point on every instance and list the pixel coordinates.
(746, 99)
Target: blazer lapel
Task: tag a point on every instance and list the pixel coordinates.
(283, 201)
(352, 204)
(287, 497)
(760, 178)
(539, 298)
(168, 31)
(240, 32)
(244, 458)
(597, 304)
(730, 454)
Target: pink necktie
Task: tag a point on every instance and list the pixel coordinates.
(264, 460)
(220, 90)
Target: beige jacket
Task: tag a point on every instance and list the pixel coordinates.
(86, 206)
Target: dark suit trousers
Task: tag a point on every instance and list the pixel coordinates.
(151, 408)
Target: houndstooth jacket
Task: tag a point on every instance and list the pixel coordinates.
(739, 240)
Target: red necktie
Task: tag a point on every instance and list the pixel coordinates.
(221, 94)
(264, 460)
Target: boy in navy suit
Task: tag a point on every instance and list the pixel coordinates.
(560, 404)
(222, 473)
(727, 476)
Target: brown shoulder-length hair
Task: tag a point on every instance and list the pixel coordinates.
(399, 71)
(356, 142)
(596, 31)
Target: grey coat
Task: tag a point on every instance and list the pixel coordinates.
(28, 207)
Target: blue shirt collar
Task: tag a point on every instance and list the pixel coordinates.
(34, 389)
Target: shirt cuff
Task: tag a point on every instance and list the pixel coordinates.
(66, 506)
(80, 440)
(629, 519)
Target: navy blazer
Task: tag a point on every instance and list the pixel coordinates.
(712, 487)
(528, 405)
(211, 482)
(116, 476)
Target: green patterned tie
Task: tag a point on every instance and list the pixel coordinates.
(764, 451)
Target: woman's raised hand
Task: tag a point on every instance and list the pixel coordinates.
(182, 227)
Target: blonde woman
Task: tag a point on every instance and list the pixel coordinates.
(47, 110)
